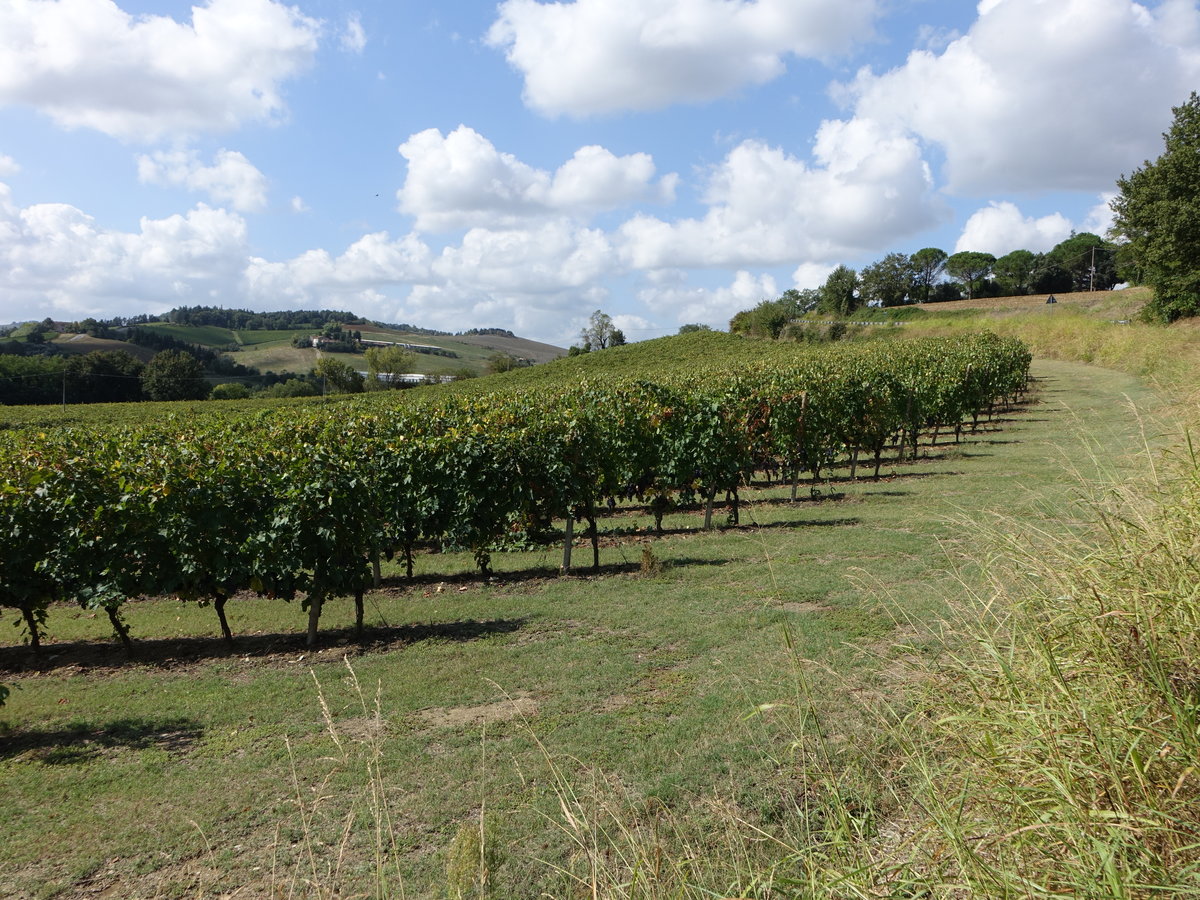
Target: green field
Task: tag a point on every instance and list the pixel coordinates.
(556, 709)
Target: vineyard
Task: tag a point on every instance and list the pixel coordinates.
(305, 500)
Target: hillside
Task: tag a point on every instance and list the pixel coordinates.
(273, 350)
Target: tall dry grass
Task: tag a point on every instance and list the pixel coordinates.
(1056, 749)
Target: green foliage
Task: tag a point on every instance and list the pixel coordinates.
(1158, 213)
(970, 268)
(928, 265)
(174, 375)
(945, 292)
(230, 391)
(503, 362)
(688, 329)
(838, 295)
(390, 363)
(887, 282)
(104, 377)
(31, 379)
(1076, 256)
(770, 317)
(600, 333)
(293, 387)
(338, 377)
(1014, 272)
(298, 501)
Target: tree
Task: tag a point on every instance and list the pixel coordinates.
(1048, 277)
(1014, 271)
(1077, 256)
(386, 364)
(230, 390)
(339, 377)
(928, 265)
(104, 377)
(970, 268)
(174, 375)
(770, 317)
(688, 329)
(887, 282)
(1158, 213)
(838, 292)
(600, 333)
(503, 362)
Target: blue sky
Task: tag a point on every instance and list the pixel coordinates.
(520, 164)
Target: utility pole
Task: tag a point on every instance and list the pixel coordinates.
(1092, 273)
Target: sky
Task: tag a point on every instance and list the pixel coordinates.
(520, 164)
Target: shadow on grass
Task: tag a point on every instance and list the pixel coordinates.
(83, 741)
(170, 653)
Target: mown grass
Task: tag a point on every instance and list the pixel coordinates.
(710, 726)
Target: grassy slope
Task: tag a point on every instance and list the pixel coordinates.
(272, 351)
(175, 778)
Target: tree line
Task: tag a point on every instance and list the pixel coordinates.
(1156, 242)
(1082, 262)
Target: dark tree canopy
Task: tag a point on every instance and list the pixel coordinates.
(839, 295)
(970, 268)
(104, 377)
(174, 375)
(1014, 271)
(1158, 213)
(887, 282)
(928, 265)
(1078, 254)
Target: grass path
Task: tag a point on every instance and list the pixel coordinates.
(200, 772)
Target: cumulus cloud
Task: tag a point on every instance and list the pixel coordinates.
(868, 188)
(1025, 99)
(87, 63)
(548, 259)
(1100, 217)
(545, 317)
(676, 298)
(8, 166)
(371, 263)
(354, 39)
(298, 205)
(599, 56)
(56, 260)
(231, 179)
(460, 180)
(1001, 228)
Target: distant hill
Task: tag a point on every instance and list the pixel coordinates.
(275, 350)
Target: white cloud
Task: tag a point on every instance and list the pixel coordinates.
(231, 179)
(8, 166)
(87, 63)
(810, 276)
(868, 188)
(354, 39)
(55, 259)
(371, 263)
(298, 205)
(598, 56)
(1001, 228)
(1043, 94)
(708, 306)
(550, 258)
(461, 180)
(1100, 217)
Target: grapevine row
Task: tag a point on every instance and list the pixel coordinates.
(302, 502)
